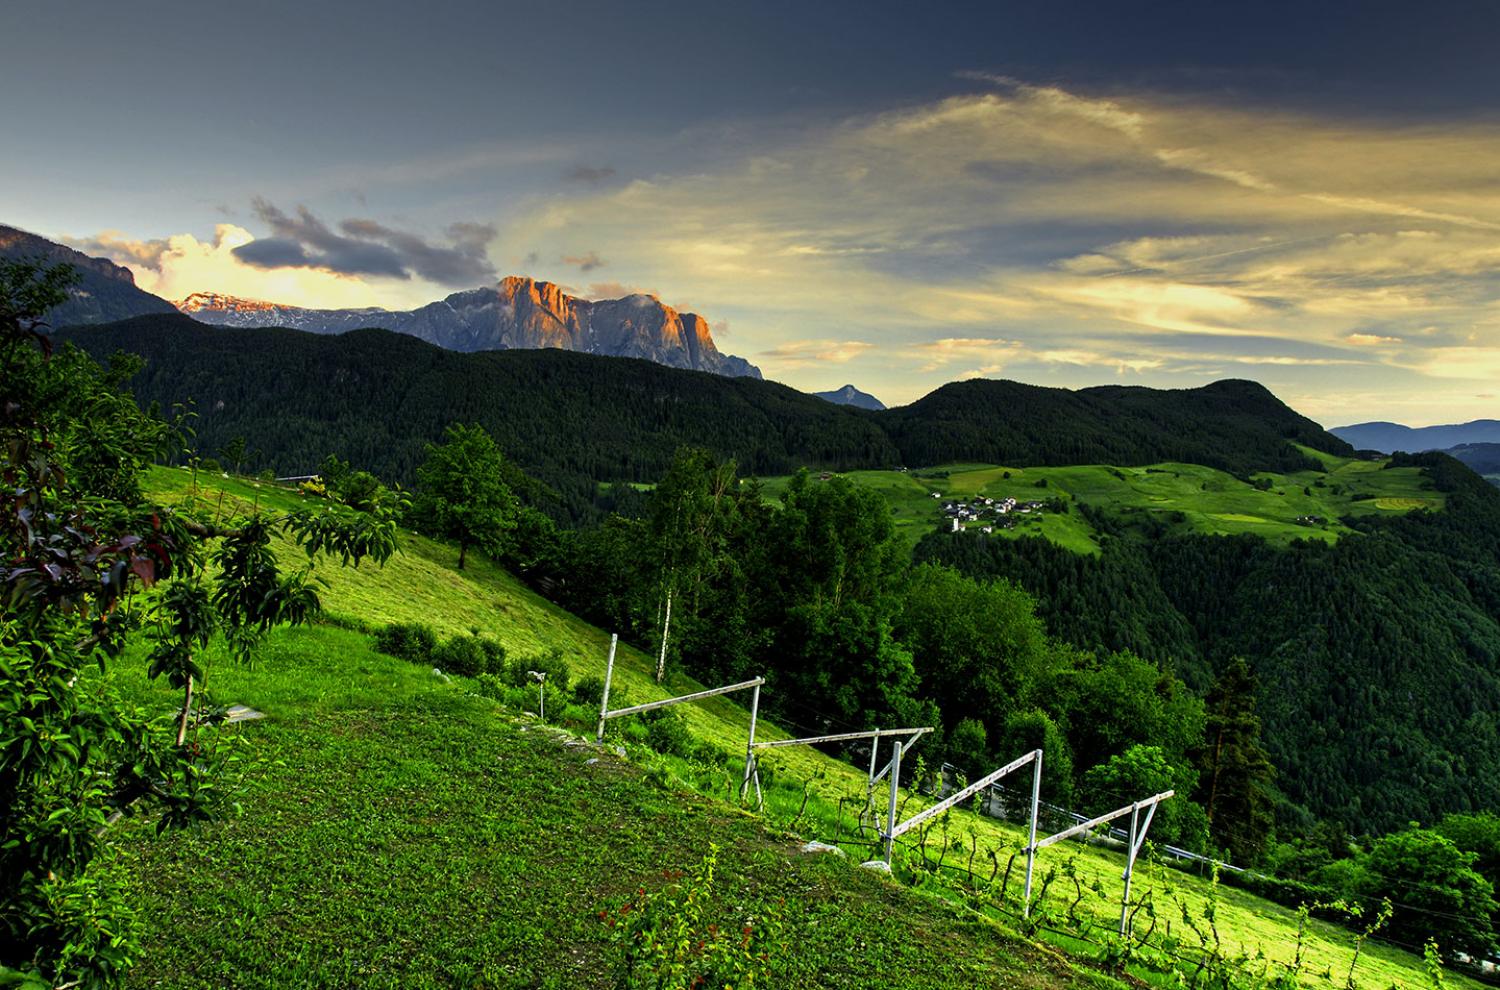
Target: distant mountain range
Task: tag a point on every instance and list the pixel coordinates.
(851, 396)
(105, 291)
(518, 313)
(1390, 437)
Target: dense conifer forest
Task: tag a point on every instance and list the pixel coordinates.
(376, 398)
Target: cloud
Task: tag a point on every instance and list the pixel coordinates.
(589, 174)
(993, 352)
(617, 290)
(122, 250)
(182, 264)
(584, 262)
(363, 247)
(807, 353)
(1044, 231)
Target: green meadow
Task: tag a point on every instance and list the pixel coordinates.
(1185, 498)
(398, 829)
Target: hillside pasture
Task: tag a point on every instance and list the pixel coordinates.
(408, 833)
(1174, 497)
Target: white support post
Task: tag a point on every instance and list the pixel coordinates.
(874, 752)
(890, 822)
(750, 767)
(1036, 798)
(1138, 831)
(609, 672)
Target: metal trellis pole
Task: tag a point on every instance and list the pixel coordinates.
(890, 822)
(750, 748)
(1036, 797)
(609, 671)
(1137, 839)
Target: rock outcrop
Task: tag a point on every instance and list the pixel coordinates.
(516, 313)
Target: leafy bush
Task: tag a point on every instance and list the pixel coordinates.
(589, 690)
(667, 733)
(551, 663)
(412, 641)
(666, 939)
(461, 655)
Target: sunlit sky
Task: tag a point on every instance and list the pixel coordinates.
(890, 195)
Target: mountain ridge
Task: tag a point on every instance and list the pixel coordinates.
(104, 291)
(1388, 437)
(848, 395)
(519, 312)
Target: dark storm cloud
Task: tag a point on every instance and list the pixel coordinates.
(367, 247)
(589, 174)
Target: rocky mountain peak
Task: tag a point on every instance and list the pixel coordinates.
(516, 312)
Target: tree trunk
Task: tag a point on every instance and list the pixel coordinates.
(463, 550)
(661, 661)
(187, 707)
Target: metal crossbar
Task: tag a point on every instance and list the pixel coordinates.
(1094, 822)
(711, 692)
(967, 792)
(876, 734)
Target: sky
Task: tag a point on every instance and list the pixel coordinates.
(892, 195)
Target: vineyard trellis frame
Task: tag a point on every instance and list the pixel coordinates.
(894, 829)
(752, 764)
(1137, 839)
(609, 671)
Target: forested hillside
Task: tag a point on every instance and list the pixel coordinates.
(1378, 655)
(1236, 426)
(376, 398)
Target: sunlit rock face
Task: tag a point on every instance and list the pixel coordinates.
(517, 313)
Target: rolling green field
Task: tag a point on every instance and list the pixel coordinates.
(1187, 498)
(404, 832)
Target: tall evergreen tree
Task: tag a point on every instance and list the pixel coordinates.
(1235, 773)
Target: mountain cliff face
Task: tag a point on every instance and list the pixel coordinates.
(104, 292)
(517, 313)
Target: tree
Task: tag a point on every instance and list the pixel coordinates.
(461, 494)
(977, 645)
(233, 453)
(1435, 890)
(76, 538)
(827, 580)
(1235, 773)
(1141, 772)
(692, 514)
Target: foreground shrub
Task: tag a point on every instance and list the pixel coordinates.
(589, 691)
(667, 733)
(551, 663)
(412, 641)
(460, 655)
(668, 940)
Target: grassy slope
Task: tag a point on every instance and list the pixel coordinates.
(392, 782)
(1211, 501)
